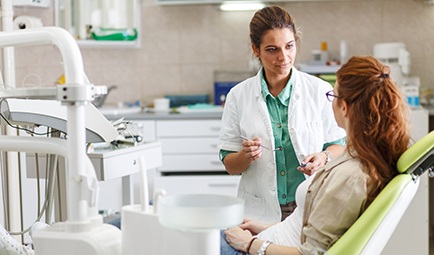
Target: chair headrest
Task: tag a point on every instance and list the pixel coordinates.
(420, 151)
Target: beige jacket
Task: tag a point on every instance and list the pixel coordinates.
(334, 201)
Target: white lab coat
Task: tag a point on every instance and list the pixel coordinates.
(311, 123)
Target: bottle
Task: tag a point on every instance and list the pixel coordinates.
(343, 52)
(324, 53)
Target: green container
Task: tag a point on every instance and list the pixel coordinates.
(114, 34)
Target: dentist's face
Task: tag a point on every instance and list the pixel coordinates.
(277, 51)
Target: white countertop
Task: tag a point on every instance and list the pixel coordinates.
(136, 113)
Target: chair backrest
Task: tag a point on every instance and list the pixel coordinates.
(371, 232)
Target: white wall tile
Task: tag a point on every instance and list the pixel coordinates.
(182, 46)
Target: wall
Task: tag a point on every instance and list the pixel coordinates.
(182, 46)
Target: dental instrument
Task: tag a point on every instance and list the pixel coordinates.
(277, 149)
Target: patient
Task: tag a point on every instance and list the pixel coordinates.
(368, 105)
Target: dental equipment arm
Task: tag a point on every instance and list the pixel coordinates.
(51, 113)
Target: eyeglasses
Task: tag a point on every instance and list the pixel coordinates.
(330, 96)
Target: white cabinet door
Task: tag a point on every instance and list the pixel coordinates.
(188, 128)
(145, 128)
(189, 145)
(191, 163)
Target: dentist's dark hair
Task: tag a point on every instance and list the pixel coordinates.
(378, 131)
(268, 18)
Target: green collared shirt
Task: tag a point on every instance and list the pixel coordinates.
(287, 174)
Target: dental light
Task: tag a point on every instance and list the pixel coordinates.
(241, 6)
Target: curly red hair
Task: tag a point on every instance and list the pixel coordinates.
(378, 125)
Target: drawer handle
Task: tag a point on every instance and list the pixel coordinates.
(214, 145)
(216, 162)
(215, 128)
(218, 185)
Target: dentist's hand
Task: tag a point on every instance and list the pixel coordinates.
(252, 149)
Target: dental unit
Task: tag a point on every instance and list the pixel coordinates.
(67, 108)
(83, 224)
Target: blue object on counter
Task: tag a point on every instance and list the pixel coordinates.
(135, 104)
(413, 101)
(221, 89)
(181, 100)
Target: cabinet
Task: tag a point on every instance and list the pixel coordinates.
(189, 145)
(190, 158)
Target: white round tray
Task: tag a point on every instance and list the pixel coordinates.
(200, 211)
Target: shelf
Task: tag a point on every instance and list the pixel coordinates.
(78, 17)
(318, 69)
(109, 44)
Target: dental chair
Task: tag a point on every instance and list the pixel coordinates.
(371, 232)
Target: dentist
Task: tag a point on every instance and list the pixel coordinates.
(277, 127)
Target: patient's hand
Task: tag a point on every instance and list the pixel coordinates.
(311, 163)
(238, 238)
(253, 226)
